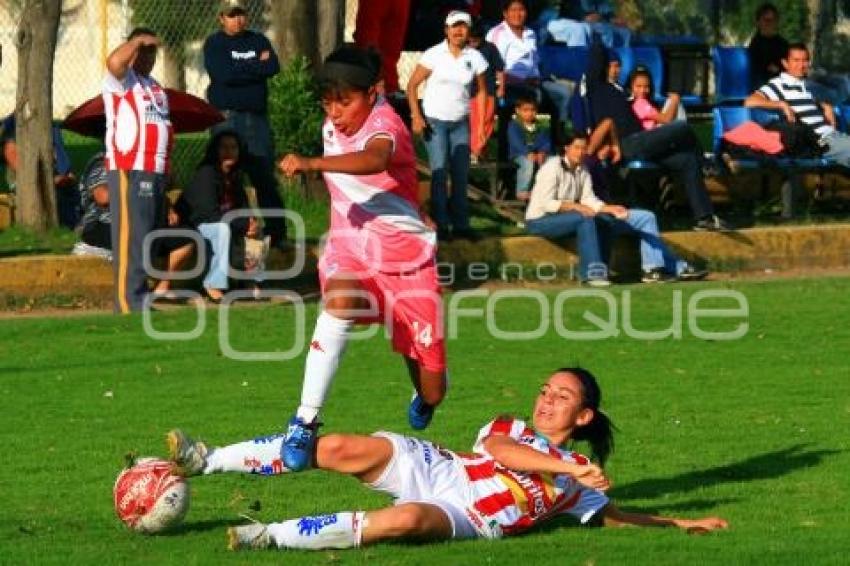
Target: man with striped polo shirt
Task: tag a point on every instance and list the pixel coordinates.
(788, 94)
(138, 141)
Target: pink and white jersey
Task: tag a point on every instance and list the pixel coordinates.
(519, 500)
(376, 218)
(139, 135)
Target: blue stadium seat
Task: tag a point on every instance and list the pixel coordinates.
(728, 117)
(649, 57)
(842, 117)
(731, 74)
(563, 62)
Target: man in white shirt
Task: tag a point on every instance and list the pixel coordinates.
(563, 203)
(517, 44)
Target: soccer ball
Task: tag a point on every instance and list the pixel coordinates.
(149, 498)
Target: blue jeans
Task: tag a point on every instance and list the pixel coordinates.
(218, 234)
(524, 174)
(448, 149)
(564, 224)
(654, 253)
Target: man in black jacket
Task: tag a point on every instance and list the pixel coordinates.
(674, 146)
(240, 62)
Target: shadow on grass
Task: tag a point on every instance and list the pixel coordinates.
(761, 467)
(202, 526)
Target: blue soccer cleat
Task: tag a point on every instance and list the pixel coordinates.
(419, 413)
(299, 444)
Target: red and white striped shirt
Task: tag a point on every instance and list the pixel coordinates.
(519, 500)
(139, 135)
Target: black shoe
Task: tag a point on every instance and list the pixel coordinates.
(467, 234)
(712, 223)
(691, 273)
(443, 234)
(656, 275)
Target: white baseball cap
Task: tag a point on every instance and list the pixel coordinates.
(457, 17)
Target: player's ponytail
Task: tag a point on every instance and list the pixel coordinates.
(599, 432)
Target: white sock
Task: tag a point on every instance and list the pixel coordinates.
(326, 349)
(337, 530)
(258, 456)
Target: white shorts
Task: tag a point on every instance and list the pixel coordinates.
(421, 472)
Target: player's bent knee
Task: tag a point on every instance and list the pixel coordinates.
(410, 520)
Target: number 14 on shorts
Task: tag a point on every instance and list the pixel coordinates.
(423, 334)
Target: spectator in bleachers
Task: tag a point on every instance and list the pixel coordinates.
(64, 181)
(96, 221)
(564, 24)
(767, 48)
(517, 44)
(215, 190)
(529, 144)
(789, 94)
(673, 146)
(602, 18)
(450, 68)
(563, 203)
(382, 24)
(240, 62)
(641, 88)
(495, 80)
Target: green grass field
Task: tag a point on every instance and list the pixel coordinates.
(753, 430)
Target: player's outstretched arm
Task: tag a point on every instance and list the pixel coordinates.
(615, 517)
(374, 158)
(515, 456)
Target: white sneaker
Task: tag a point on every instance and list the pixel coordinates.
(253, 536)
(189, 456)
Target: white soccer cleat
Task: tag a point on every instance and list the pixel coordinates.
(189, 456)
(253, 536)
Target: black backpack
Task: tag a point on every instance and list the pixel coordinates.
(798, 139)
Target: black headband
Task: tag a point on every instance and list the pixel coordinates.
(354, 75)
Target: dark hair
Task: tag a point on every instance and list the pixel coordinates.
(599, 432)
(641, 71)
(796, 46)
(141, 31)
(349, 68)
(478, 29)
(525, 99)
(566, 135)
(765, 8)
(211, 151)
(507, 4)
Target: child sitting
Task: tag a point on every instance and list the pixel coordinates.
(529, 144)
(641, 87)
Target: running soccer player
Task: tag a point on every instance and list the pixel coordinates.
(378, 263)
(516, 477)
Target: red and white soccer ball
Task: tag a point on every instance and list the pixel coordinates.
(149, 498)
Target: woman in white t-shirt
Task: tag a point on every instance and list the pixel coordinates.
(450, 68)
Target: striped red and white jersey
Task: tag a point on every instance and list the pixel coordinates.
(519, 500)
(139, 134)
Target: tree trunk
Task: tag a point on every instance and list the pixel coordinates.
(294, 22)
(174, 66)
(331, 26)
(36, 43)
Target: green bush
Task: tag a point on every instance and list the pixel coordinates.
(294, 110)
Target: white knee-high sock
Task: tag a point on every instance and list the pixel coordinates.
(258, 456)
(337, 530)
(326, 349)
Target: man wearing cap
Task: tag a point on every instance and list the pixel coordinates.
(240, 62)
